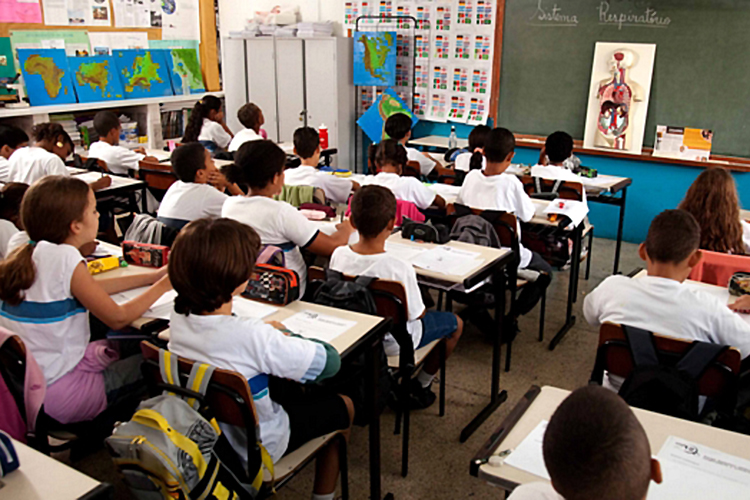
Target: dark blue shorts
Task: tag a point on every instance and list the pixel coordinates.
(437, 325)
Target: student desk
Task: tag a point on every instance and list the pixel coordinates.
(540, 403)
(121, 186)
(76, 170)
(494, 261)
(42, 477)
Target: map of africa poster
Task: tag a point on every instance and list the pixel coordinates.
(96, 78)
(144, 73)
(185, 68)
(375, 58)
(373, 120)
(46, 76)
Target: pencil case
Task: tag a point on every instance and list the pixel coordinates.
(98, 266)
(739, 284)
(273, 284)
(145, 254)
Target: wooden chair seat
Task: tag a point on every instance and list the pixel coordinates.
(419, 355)
(296, 460)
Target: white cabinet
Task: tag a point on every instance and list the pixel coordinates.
(296, 82)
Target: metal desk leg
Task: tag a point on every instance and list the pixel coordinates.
(618, 244)
(372, 388)
(575, 266)
(144, 200)
(497, 397)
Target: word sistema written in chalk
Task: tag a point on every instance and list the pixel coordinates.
(552, 16)
(648, 18)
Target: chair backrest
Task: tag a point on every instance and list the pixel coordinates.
(566, 190)
(505, 223)
(614, 356)
(94, 164)
(445, 175)
(717, 268)
(411, 169)
(156, 175)
(228, 394)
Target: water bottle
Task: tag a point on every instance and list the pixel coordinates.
(323, 133)
(452, 139)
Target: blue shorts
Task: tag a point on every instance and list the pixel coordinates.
(437, 325)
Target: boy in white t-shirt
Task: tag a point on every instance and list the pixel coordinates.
(11, 138)
(374, 216)
(557, 149)
(119, 160)
(398, 127)
(199, 192)
(307, 147)
(210, 263)
(660, 302)
(594, 448)
(251, 117)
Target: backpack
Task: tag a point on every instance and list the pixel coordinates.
(665, 389)
(173, 448)
(350, 381)
(424, 231)
(476, 230)
(272, 255)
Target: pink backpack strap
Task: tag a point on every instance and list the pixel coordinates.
(35, 386)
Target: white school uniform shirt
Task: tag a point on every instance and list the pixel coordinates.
(190, 201)
(7, 231)
(746, 235)
(426, 165)
(16, 241)
(51, 322)
(212, 131)
(404, 188)
(255, 350)
(118, 159)
(463, 161)
(31, 163)
(4, 169)
(388, 267)
(337, 189)
(535, 491)
(556, 173)
(499, 192)
(277, 223)
(241, 137)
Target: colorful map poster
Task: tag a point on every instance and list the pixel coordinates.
(373, 120)
(96, 78)
(144, 73)
(47, 77)
(185, 67)
(375, 58)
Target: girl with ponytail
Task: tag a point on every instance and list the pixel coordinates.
(46, 292)
(474, 158)
(206, 125)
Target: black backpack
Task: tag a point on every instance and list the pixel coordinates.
(665, 389)
(350, 381)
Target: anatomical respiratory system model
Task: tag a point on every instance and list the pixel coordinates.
(617, 95)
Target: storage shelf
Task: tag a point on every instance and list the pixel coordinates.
(89, 106)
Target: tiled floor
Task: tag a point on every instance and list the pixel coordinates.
(439, 464)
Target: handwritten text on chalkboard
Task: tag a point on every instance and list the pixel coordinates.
(554, 16)
(646, 19)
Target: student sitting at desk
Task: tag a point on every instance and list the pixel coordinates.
(206, 125)
(11, 138)
(307, 147)
(557, 149)
(398, 127)
(251, 117)
(390, 159)
(374, 216)
(594, 448)
(210, 263)
(11, 196)
(52, 145)
(712, 199)
(46, 293)
(659, 302)
(259, 165)
(119, 160)
(193, 196)
(474, 159)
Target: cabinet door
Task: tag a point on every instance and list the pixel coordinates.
(261, 82)
(290, 85)
(321, 86)
(235, 79)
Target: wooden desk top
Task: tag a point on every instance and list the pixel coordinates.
(658, 428)
(117, 181)
(42, 477)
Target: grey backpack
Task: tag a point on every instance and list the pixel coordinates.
(476, 230)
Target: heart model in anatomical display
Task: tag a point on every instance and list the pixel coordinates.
(617, 96)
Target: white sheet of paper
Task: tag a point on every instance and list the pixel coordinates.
(246, 308)
(528, 455)
(692, 470)
(575, 210)
(404, 252)
(317, 326)
(447, 260)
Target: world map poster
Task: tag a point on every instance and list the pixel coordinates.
(47, 77)
(144, 73)
(375, 58)
(96, 78)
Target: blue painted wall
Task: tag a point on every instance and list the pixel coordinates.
(656, 186)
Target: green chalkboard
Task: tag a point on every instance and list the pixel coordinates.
(701, 73)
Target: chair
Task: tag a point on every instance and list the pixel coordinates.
(506, 227)
(390, 300)
(718, 382)
(549, 189)
(411, 169)
(717, 268)
(229, 397)
(156, 175)
(445, 175)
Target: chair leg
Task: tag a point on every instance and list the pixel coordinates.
(507, 356)
(588, 257)
(442, 378)
(448, 303)
(440, 300)
(397, 429)
(543, 308)
(343, 468)
(405, 443)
